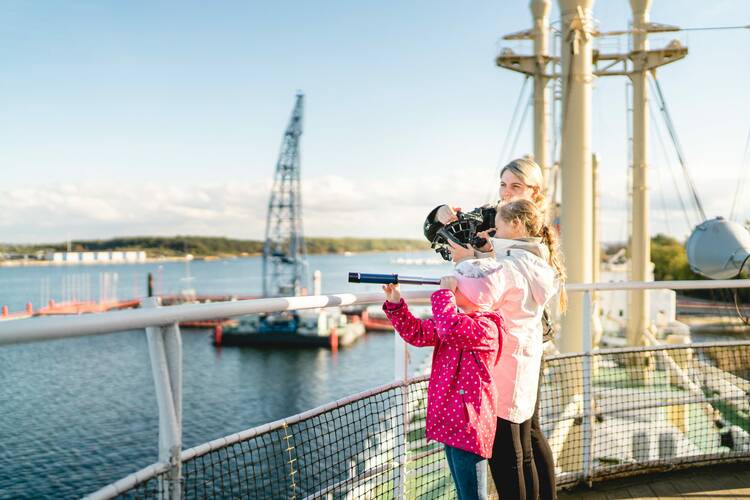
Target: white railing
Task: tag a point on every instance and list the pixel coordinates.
(161, 325)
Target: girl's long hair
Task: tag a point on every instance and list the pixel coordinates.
(531, 217)
(530, 173)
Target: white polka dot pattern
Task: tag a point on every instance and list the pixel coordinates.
(461, 396)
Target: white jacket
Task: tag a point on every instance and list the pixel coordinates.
(529, 284)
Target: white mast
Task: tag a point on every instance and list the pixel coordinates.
(640, 243)
(575, 162)
(540, 12)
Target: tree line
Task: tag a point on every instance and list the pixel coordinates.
(203, 246)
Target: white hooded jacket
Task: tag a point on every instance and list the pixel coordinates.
(529, 284)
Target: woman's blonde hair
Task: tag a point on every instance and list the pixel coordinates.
(530, 173)
(531, 217)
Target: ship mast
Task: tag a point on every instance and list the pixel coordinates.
(580, 65)
(284, 252)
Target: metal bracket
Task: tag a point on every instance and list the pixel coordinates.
(528, 65)
(652, 59)
(638, 61)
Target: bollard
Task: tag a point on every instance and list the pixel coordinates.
(217, 334)
(29, 308)
(334, 340)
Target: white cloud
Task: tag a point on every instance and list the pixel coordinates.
(376, 206)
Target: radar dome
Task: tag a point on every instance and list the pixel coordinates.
(718, 248)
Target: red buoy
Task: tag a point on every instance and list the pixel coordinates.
(29, 308)
(5, 311)
(217, 334)
(334, 339)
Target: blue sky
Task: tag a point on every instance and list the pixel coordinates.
(131, 118)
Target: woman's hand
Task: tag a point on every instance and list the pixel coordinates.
(447, 214)
(449, 283)
(460, 252)
(392, 293)
(487, 247)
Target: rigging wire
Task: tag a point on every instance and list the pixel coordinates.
(707, 28)
(504, 151)
(659, 136)
(676, 142)
(736, 295)
(519, 129)
(742, 177)
(492, 191)
(664, 212)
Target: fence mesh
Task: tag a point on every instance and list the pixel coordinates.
(612, 412)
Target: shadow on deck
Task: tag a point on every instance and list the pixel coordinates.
(712, 482)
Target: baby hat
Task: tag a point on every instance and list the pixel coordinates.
(480, 281)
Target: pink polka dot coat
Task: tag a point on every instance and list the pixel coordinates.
(461, 395)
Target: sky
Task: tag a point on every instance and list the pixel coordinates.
(166, 118)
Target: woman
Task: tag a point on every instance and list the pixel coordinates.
(522, 179)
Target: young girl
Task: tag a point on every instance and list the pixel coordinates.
(527, 250)
(461, 397)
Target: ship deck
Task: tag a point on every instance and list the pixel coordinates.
(713, 482)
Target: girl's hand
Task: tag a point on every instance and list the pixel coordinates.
(449, 283)
(447, 214)
(392, 293)
(459, 252)
(487, 247)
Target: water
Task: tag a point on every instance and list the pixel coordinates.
(80, 413)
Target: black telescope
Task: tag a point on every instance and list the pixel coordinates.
(388, 279)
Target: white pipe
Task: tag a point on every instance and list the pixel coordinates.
(49, 328)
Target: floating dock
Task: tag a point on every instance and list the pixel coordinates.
(324, 328)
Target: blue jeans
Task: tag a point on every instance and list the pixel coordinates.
(469, 472)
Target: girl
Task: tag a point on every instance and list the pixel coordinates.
(522, 179)
(461, 397)
(527, 248)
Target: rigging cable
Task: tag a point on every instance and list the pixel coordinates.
(678, 147)
(742, 176)
(716, 28)
(736, 294)
(491, 195)
(504, 151)
(519, 129)
(659, 136)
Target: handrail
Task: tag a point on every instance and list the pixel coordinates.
(49, 328)
(658, 285)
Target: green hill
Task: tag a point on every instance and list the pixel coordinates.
(202, 246)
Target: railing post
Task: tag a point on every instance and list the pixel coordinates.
(401, 372)
(165, 351)
(588, 408)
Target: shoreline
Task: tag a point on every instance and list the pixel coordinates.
(158, 260)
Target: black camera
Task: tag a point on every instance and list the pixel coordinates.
(462, 231)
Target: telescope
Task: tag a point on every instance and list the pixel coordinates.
(391, 279)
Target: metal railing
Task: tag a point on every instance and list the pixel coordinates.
(571, 423)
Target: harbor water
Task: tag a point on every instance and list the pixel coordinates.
(80, 413)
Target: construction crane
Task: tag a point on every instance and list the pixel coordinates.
(284, 252)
